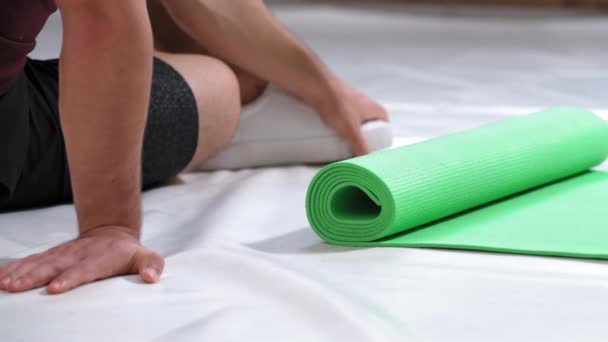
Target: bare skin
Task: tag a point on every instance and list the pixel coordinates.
(80, 261)
(107, 250)
(103, 123)
(168, 37)
(225, 64)
(244, 34)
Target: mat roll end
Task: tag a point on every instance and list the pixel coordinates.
(347, 203)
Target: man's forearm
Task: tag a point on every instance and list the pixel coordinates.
(105, 77)
(244, 33)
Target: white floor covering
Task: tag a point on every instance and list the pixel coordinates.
(242, 262)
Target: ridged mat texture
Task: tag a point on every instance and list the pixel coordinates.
(521, 186)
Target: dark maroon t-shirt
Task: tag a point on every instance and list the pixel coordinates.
(20, 23)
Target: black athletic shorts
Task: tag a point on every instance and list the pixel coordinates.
(33, 162)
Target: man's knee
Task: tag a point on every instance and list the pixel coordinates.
(251, 86)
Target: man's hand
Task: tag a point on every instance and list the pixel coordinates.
(346, 111)
(98, 254)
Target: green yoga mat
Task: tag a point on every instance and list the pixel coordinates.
(520, 186)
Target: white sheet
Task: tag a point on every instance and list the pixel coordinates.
(242, 264)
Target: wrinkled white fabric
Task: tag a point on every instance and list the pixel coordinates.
(242, 262)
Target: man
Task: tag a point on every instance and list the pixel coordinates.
(76, 128)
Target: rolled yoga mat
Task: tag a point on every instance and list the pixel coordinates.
(520, 186)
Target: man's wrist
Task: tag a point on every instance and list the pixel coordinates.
(111, 230)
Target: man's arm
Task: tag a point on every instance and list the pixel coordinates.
(105, 77)
(244, 33)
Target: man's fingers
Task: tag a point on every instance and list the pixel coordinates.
(16, 283)
(358, 142)
(377, 113)
(147, 263)
(7, 276)
(4, 282)
(4, 275)
(3, 270)
(24, 266)
(28, 273)
(87, 271)
(37, 277)
(384, 115)
(8, 269)
(11, 267)
(74, 264)
(150, 266)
